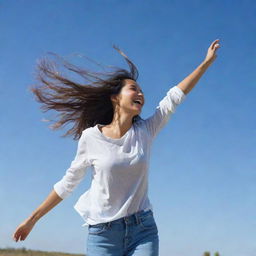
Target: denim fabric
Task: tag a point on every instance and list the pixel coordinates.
(135, 235)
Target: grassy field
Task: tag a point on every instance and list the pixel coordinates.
(26, 252)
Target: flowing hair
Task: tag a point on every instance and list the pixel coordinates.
(83, 104)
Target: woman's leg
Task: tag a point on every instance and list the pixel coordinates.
(145, 239)
(134, 235)
(105, 239)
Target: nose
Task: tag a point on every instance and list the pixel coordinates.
(140, 93)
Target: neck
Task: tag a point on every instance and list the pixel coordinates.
(121, 125)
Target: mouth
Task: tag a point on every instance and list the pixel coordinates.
(138, 102)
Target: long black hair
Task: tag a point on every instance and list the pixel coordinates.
(86, 104)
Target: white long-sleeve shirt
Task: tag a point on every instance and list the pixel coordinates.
(119, 185)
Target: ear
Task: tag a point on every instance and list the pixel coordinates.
(114, 98)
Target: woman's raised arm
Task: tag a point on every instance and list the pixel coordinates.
(190, 81)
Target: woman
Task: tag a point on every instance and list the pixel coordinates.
(116, 142)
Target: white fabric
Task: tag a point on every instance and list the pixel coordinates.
(119, 184)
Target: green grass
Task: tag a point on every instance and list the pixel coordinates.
(26, 252)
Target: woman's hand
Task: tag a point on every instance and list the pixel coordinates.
(23, 230)
(211, 54)
(25, 227)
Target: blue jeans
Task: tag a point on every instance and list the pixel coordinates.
(135, 235)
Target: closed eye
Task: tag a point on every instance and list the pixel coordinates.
(134, 88)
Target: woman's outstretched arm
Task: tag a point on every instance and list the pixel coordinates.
(177, 94)
(26, 226)
(51, 201)
(190, 81)
(61, 189)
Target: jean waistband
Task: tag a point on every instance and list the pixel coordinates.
(135, 217)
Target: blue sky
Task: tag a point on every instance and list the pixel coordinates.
(202, 173)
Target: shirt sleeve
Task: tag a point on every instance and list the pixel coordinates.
(164, 110)
(76, 171)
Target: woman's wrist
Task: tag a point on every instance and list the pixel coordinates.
(206, 63)
(33, 218)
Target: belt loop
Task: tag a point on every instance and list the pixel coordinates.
(137, 218)
(109, 224)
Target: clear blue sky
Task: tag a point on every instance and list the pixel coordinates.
(202, 173)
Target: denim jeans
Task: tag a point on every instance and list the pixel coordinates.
(136, 235)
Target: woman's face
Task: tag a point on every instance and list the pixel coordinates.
(131, 98)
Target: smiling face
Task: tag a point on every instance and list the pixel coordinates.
(130, 99)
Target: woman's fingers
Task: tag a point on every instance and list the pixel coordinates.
(215, 44)
(18, 235)
(19, 238)
(15, 235)
(23, 230)
(16, 238)
(211, 53)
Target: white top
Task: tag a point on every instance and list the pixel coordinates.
(119, 184)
